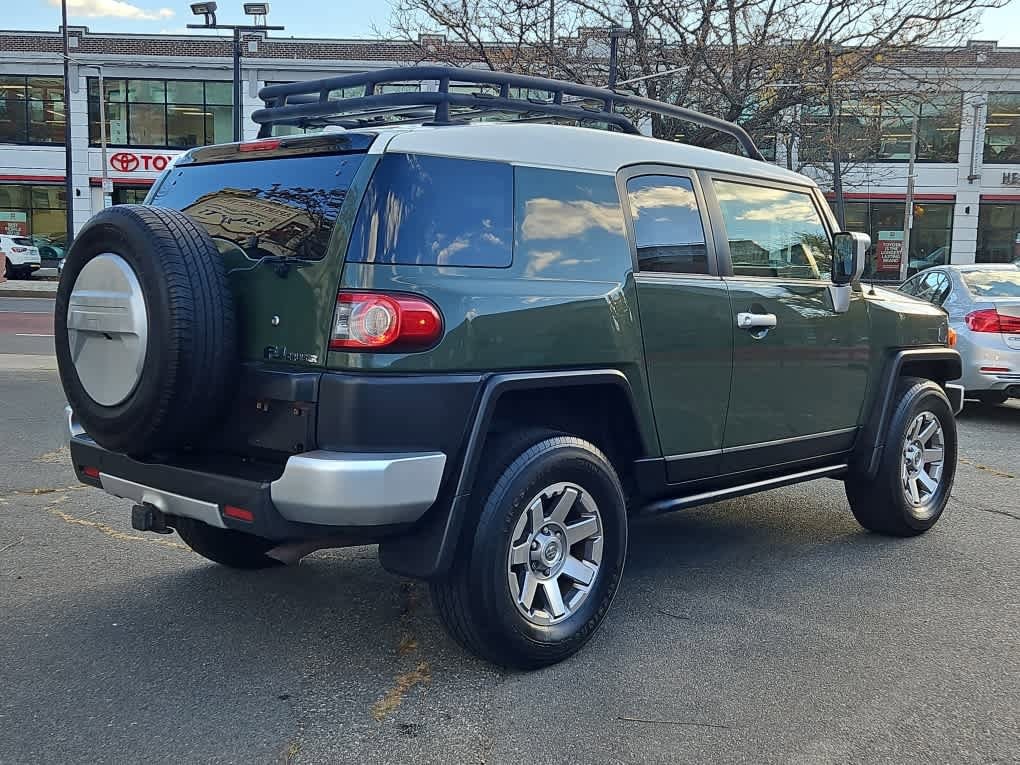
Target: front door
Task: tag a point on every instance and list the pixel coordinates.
(685, 317)
(800, 369)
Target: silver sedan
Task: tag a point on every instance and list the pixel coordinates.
(983, 303)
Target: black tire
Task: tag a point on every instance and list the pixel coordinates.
(226, 546)
(880, 504)
(992, 397)
(13, 272)
(474, 600)
(190, 356)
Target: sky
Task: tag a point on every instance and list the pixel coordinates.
(302, 18)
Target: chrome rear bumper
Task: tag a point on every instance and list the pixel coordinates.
(319, 487)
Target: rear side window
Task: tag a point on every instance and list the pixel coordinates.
(265, 208)
(774, 232)
(667, 225)
(435, 211)
(993, 284)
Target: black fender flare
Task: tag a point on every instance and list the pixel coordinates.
(875, 420)
(427, 551)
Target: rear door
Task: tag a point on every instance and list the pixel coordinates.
(685, 318)
(281, 218)
(800, 369)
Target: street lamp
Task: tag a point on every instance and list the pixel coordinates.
(614, 38)
(258, 11)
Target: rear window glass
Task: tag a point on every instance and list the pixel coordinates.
(435, 211)
(993, 284)
(22, 241)
(266, 208)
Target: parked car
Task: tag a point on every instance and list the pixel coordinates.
(983, 303)
(485, 346)
(20, 255)
(50, 250)
(934, 258)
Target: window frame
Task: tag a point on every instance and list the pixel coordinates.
(94, 104)
(623, 175)
(27, 102)
(719, 232)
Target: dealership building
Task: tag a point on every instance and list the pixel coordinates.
(167, 93)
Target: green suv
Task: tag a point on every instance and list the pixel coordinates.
(484, 344)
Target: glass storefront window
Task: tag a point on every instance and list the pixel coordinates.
(1002, 129)
(930, 236)
(35, 211)
(31, 109)
(870, 132)
(176, 114)
(998, 233)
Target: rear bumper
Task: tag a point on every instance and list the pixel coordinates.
(316, 492)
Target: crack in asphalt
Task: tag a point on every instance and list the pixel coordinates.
(994, 511)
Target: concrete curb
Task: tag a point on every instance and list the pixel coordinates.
(41, 294)
(20, 362)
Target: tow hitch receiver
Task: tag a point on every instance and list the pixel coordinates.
(146, 517)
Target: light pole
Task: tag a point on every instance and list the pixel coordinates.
(258, 11)
(614, 40)
(837, 170)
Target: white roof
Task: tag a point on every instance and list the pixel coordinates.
(567, 147)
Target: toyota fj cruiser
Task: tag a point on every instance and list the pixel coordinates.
(484, 346)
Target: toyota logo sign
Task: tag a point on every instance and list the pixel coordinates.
(128, 162)
(125, 162)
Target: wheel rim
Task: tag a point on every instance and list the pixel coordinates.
(555, 553)
(107, 329)
(923, 463)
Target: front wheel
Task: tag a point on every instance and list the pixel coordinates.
(536, 577)
(911, 489)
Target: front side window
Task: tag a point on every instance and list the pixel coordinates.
(1002, 129)
(774, 232)
(177, 114)
(435, 211)
(31, 109)
(667, 225)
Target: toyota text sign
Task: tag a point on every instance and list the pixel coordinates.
(131, 162)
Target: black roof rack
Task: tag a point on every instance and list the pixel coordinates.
(313, 103)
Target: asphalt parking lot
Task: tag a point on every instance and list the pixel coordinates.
(765, 629)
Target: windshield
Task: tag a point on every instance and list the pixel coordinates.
(993, 284)
(282, 207)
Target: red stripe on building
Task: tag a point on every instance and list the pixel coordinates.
(896, 197)
(1000, 197)
(96, 181)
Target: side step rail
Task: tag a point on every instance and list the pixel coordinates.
(703, 498)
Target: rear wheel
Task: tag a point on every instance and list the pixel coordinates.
(912, 486)
(226, 546)
(536, 576)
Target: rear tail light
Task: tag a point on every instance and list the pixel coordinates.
(91, 472)
(373, 321)
(951, 337)
(990, 320)
(19, 249)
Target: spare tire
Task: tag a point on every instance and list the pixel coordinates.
(145, 336)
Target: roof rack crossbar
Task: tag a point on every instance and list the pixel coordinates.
(302, 103)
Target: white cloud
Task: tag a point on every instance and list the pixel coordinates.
(113, 8)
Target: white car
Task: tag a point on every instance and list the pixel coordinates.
(20, 256)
